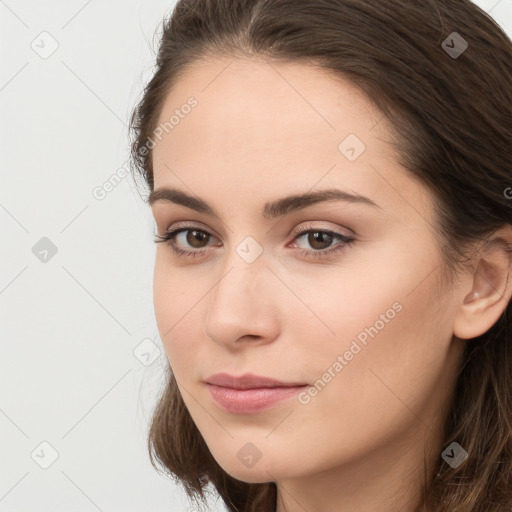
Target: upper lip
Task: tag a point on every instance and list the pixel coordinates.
(248, 381)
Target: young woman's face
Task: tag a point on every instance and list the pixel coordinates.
(270, 288)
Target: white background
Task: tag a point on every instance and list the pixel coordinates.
(70, 325)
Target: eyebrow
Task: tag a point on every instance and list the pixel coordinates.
(271, 210)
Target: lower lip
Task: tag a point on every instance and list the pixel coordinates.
(249, 401)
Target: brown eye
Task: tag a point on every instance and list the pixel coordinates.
(179, 239)
(195, 237)
(320, 240)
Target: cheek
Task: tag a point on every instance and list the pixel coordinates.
(163, 297)
(176, 304)
(393, 346)
(392, 334)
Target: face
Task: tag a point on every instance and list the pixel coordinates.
(340, 296)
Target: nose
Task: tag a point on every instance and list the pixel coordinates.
(243, 304)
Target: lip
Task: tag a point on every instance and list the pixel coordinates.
(249, 393)
(249, 381)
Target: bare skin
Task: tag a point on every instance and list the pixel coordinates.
(262, 131)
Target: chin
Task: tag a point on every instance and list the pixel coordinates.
(252, 476)
(262, 471)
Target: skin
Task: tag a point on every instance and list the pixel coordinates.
(261, 131)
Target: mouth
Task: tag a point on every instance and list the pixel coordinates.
(249, 394)
(250, 401)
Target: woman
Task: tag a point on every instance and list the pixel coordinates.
(331, 183)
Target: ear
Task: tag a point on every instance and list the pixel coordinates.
(490, 287)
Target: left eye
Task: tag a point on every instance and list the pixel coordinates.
(321, 240)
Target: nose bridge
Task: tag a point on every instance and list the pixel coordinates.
(243, 270)
(241, 282)
(240, 302)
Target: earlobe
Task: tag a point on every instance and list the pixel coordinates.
(491, 288)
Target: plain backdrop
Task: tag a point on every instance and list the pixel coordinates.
(81, 360)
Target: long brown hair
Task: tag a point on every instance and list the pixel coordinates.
(452, 121)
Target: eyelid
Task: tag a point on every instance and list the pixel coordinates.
(310, 226)
(193, 224)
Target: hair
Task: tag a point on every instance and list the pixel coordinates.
(452, 128)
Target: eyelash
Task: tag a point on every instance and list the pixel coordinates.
(169, 238)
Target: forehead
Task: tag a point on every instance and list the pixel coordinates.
(255, 94)
(271, 126)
